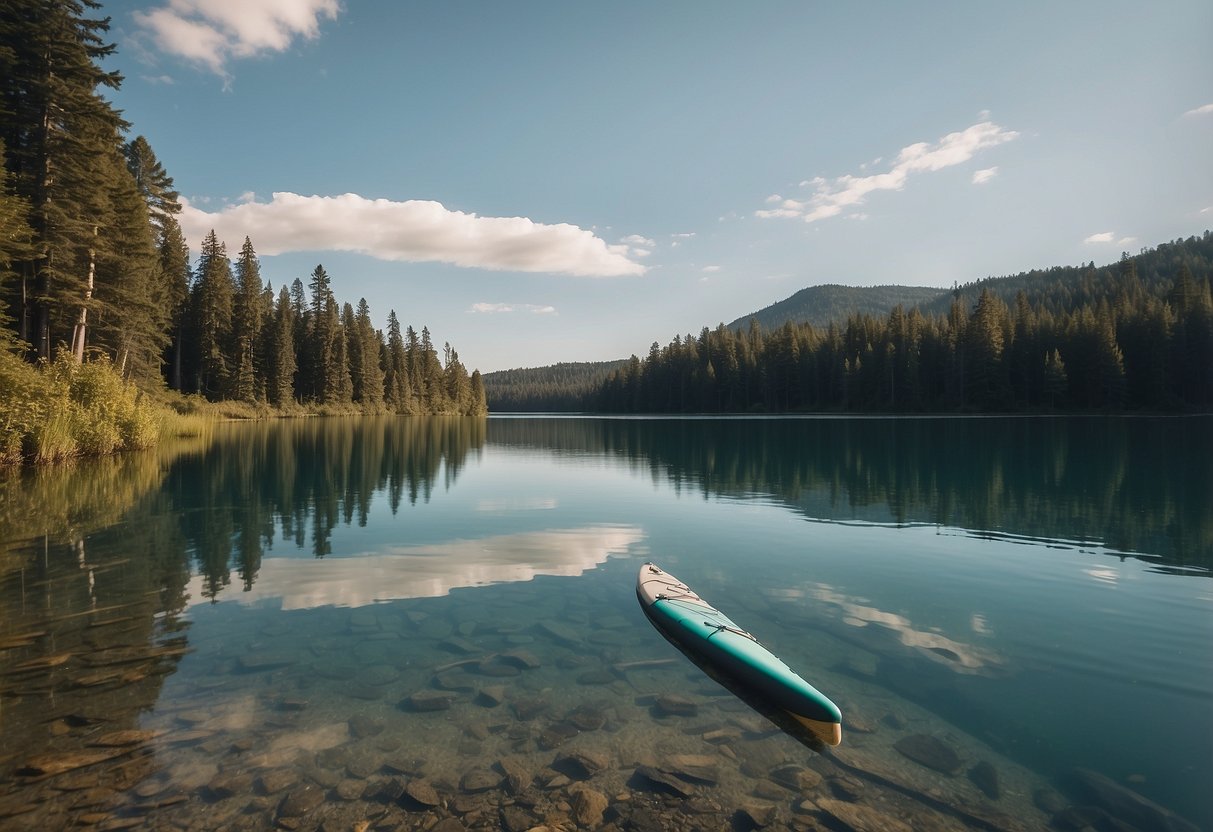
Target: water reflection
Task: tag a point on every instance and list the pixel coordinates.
(1132, 485)
(429, 571)
(124, 694)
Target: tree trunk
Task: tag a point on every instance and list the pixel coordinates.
(81, 330)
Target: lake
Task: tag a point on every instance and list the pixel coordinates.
(398, 623)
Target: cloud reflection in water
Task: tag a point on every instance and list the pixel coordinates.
(431, 570)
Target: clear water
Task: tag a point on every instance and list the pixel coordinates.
(277, 606)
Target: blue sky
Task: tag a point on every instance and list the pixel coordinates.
(542, 182)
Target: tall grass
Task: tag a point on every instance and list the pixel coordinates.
(59, 410)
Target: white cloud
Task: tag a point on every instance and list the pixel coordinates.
(983, 176)
(1109, 237)
(711, 268)
(1203, 110)
(411, 231)
(212, 32)
(1206, 210)
(847, 193)
(637, 240)
(499, 308)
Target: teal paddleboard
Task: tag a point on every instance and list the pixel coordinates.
(733, 656)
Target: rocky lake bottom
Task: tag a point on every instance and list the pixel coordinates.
(545, 705)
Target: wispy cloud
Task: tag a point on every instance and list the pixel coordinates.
(638, 246)
(212, 32)
(981, 177)
(505, 308)
(831, 198)
(711, 268)
(1203, 110)
(1109, 237)
(411, 231)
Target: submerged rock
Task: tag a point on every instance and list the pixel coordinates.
(675, 704)
(587, 717)
(518, 777)
(861, 818)
(985, 777)
(699, 768)
(659, 780)
(582, 763)
(362, 726)
(422, 793)
(930, 752)
(491, 695)
(429, 700)
(301, 801)
(588, 805)
(480, 780)
(1129, 806)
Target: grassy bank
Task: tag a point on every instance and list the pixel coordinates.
(61, 410)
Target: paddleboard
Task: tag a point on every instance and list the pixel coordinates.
(734, 657)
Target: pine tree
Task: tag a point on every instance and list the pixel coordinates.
(280, 364)
(339, 389)
(322, 329)
(131, 320)
(16, 245)
(397, 391)
(57, 130)
(173, 274)
(212, 303)
(247, 317)
(413, 360)
(479, 404)
(364, 356)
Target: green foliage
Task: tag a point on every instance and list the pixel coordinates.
(59, 410)
(559, 387)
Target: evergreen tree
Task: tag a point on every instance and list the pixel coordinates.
(339, 389)
(16, 246)
(319, 384)
(397, 391)
(131, 321)
(248, 316)
(479, 405)
(365, 360)
(173, 273)
(58, 131)
(280, 381)
(212, 303)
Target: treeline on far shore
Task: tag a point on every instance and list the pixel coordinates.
(1116, 339)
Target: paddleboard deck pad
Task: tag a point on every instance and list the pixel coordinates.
(733, 657)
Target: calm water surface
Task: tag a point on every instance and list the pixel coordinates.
(325, 623)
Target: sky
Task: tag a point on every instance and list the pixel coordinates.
(540, 182)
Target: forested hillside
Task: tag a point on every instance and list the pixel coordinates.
(94, 265)
(822, 305)
(1137, 334)
(559, 387)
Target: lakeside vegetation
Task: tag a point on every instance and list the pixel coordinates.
(105, 326)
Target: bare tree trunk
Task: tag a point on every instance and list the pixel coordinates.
(81, 330)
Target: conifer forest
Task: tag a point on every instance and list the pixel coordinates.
(94, 267)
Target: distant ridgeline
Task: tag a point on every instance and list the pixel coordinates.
(1132, 335)
(93, 262)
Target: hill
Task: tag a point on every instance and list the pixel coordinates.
(819, 305)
